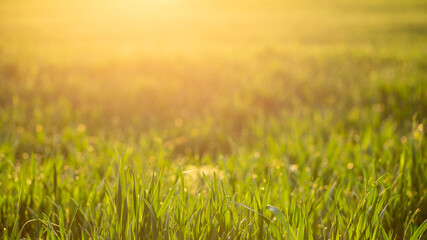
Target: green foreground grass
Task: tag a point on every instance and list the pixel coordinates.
(307, 123)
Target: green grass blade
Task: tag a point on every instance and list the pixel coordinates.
(284, 221)
(420, 231)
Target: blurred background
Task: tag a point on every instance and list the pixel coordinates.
(208, 73)
(308, 94)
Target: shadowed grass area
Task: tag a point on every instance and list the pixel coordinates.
(215, 120)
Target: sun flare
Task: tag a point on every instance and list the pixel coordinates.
(213, 119)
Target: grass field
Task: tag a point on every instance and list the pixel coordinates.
(183, 119)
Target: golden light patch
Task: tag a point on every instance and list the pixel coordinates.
(39, 128)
